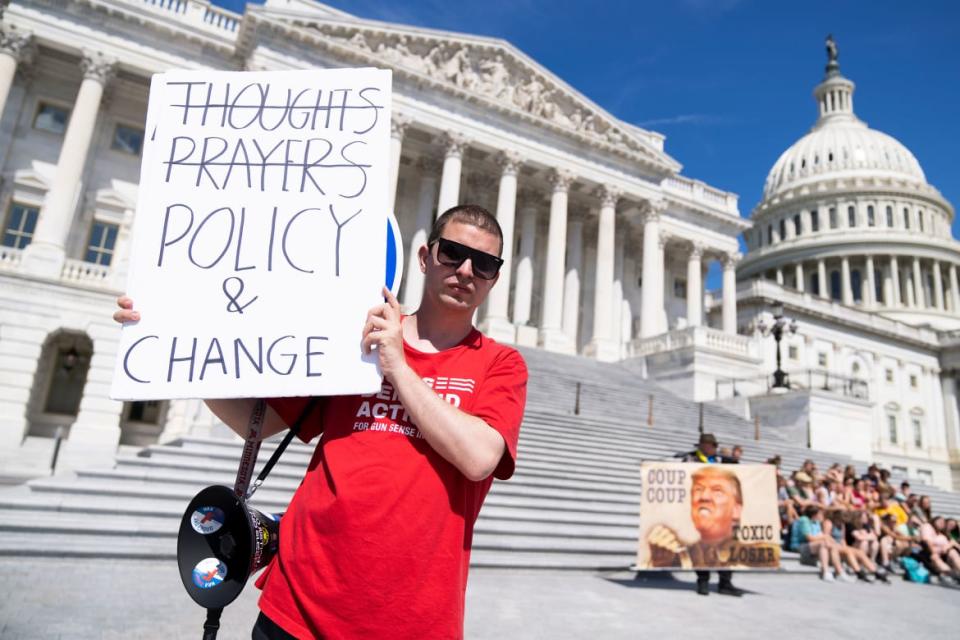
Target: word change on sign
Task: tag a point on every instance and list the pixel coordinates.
(258, 244)
(713, 516)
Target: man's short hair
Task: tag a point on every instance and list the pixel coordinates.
(723, 473)
(471, 214)
(811, 510)
(904, 485)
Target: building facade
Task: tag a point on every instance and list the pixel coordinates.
(607, 244)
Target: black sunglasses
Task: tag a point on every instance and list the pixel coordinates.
(453, 254)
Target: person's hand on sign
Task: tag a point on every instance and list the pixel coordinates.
(383, 332)
(126, 313)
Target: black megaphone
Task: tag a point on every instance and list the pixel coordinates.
(222, 542)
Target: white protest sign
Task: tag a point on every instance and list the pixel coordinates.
(259, 240)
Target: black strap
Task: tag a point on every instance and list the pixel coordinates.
(293, 431)
(212, 624)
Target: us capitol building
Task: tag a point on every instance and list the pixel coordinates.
(607, 242)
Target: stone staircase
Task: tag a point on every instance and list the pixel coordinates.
(573, 503)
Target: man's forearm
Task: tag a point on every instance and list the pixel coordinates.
(236, 412)
(465, 441)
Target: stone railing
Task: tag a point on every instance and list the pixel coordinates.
(198, 13)
(701, 193)
(10, 258)
(698, 338)
(802, 380)
(812, 303)
(87, 273)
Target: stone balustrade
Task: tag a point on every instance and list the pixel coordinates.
(697, 338)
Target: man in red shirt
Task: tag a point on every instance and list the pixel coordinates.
(376, 540)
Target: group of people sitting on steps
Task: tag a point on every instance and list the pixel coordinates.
(842, 520)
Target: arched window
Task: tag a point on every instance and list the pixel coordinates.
(856, 283)
(851, 216)
(833, 217)
(920, 217)
(814, 221)
(783, 229)
(890, 216)
(906, 218)
(835, 285)
(871, 218)
(769, 234)
(815, 283)
(796, 224)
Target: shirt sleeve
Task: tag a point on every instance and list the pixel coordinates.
(805, 529)
(500, 403)
(290, 410)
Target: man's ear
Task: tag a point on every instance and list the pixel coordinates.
(737, 511)
(423, 253)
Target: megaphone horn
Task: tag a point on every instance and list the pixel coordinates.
(222, 541)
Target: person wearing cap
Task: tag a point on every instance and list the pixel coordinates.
(706, 452)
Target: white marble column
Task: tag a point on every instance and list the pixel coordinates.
(887, 286)
(780, 276)
(651, 293)
(45, 255)
(523, 287)
(398, 126)
(870, 299)
(730, 261)
(571, 281)
(895, 279)
(694, 285)
(454, 145)
(798, 282)
(918, 296)
(846, 288)
(497, 325)
(822, 279)
(551, 336)
(954, 291)
(426, 196)
(14, 47)
(937, 286)
(602, 344)
(617, 301)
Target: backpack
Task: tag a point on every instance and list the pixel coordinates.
(914, 571)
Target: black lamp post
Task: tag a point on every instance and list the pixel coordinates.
(780, 324)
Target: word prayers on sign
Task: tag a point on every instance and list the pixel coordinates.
(258, 243)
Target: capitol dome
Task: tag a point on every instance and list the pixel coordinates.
(840, 145)
(847, 216)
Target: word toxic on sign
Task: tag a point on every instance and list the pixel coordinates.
(258, 244)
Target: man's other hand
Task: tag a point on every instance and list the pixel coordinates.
(126, 313)
(383, 331)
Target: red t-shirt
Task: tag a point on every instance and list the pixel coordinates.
(376, 540)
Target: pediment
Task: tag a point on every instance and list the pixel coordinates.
(480, 69)
(120, 196)
(37, 178)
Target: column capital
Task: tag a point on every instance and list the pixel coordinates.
(509, 162)
(608, 195)
(651, 210)
(98, 66)
(730, 259)
(454, 144)
(16, 44)
(398, 125)
(663, 239)
(696, 251)
(561, 180)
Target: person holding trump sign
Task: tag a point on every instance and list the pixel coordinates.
(376, 540)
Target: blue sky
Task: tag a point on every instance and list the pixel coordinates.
(730, 81)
